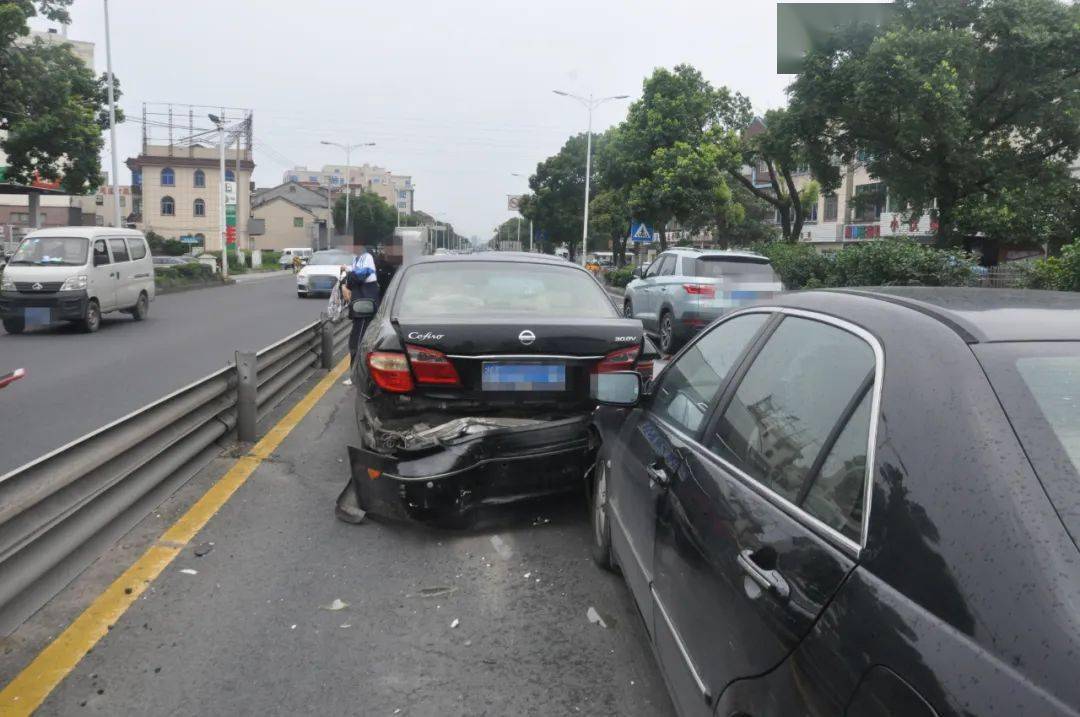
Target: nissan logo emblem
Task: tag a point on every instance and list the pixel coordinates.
(526, 337)
(37, 286)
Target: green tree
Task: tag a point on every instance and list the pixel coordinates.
(658, 150)
(557, 201)
(609, 220)
(508, 232)
(373, 220)
(750, 223)
(53, 109)
(778, 148)
(958, 105)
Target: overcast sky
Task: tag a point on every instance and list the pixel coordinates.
(456, 94)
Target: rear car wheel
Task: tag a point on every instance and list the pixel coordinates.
(142, 307)
(601, 542)
(667, 333)
(14, 326)
(301, 295)
(628, 309)
(92, 321)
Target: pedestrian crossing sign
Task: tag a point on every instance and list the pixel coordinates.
(640, 232)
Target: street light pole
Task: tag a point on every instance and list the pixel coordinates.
(117, 222)
(348, 167)
(590, 103)
(221, 195)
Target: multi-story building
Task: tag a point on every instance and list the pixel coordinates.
(292, 216)
(176, 192)
(396, 189)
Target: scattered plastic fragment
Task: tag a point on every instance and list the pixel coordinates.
(455, 623)
(201, 550)
(437, 590)
(501, 547)
(337, 604)
(528, 575)
(189, 571)
(594, 617)
(345, 626)
(292, 627)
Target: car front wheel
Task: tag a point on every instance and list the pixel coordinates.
(14, 326)
(628, 309)
(667, 333)
(92, 321)
(601, 542)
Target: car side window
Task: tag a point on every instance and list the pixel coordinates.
(834, 494)
(119, 250)
(784, 412)
(101, 253)
(668, 269)
(690, 385)
(137, 249)
(657, 266)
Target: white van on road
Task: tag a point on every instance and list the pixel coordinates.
(76, 274)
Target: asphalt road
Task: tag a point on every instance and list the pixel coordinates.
(79, 382)
(250, 632)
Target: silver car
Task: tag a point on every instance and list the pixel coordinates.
(683, 290)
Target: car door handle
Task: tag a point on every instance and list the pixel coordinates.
(658, 474)
(766, 579)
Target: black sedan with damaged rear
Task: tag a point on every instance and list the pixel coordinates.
(473, 382)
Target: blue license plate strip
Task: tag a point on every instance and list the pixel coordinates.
(37, 315)
(498, 376)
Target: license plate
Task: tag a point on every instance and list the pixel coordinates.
(37, 315)
(523, 377)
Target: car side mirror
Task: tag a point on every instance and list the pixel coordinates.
(362, 308)
(618, 388)
(100, 260)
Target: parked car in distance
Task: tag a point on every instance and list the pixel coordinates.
(856, 502)
(174, 260)
(286, 259)
(683, 290)
(76, 274)
(322, 271)
(472, 384)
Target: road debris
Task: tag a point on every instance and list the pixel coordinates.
(455, 623)
(438, 590)
(501, 547)
(337, 604)
(345, 626)
(594, 617)
(201, 550)
(189, 571)
(541, 521)
(528, 575)
(292, 627)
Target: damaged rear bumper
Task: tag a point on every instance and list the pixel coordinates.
(445, 473)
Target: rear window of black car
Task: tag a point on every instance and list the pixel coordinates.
(1039, 386)
(489, 288)
(736, 268)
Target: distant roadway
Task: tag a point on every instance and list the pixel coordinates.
(78, 382)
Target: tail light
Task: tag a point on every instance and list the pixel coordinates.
(619, 359)
(707, 291)
(390, 371)
(431, 366)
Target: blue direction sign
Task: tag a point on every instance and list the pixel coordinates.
(640, 233)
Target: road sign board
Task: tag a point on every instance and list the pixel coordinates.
(189, 239)
(513, 202)
(230, 215)
(230, 192)
(640, 233)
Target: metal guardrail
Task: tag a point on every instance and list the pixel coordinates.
(61, 511)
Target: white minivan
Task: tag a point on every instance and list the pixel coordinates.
(76, 274)
(287, 256)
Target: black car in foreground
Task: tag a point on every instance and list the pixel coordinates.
(473, 383)
(856, 502)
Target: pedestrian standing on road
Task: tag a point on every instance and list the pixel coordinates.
(359, 282)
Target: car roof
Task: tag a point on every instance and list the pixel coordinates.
(84, 232)
(984, 315)
(517, 257)
(722, 253)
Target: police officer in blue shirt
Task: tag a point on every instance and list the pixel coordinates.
(360, 282)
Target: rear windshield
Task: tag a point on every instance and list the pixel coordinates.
(1039, 385)
(52, 251)
(500, 289)
(737, 269)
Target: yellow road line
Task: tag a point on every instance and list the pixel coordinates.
(30, 688)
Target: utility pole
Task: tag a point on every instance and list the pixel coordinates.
(237, 178)
(531, 235)
(590, 103)
(221, 195)
(117, 221)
